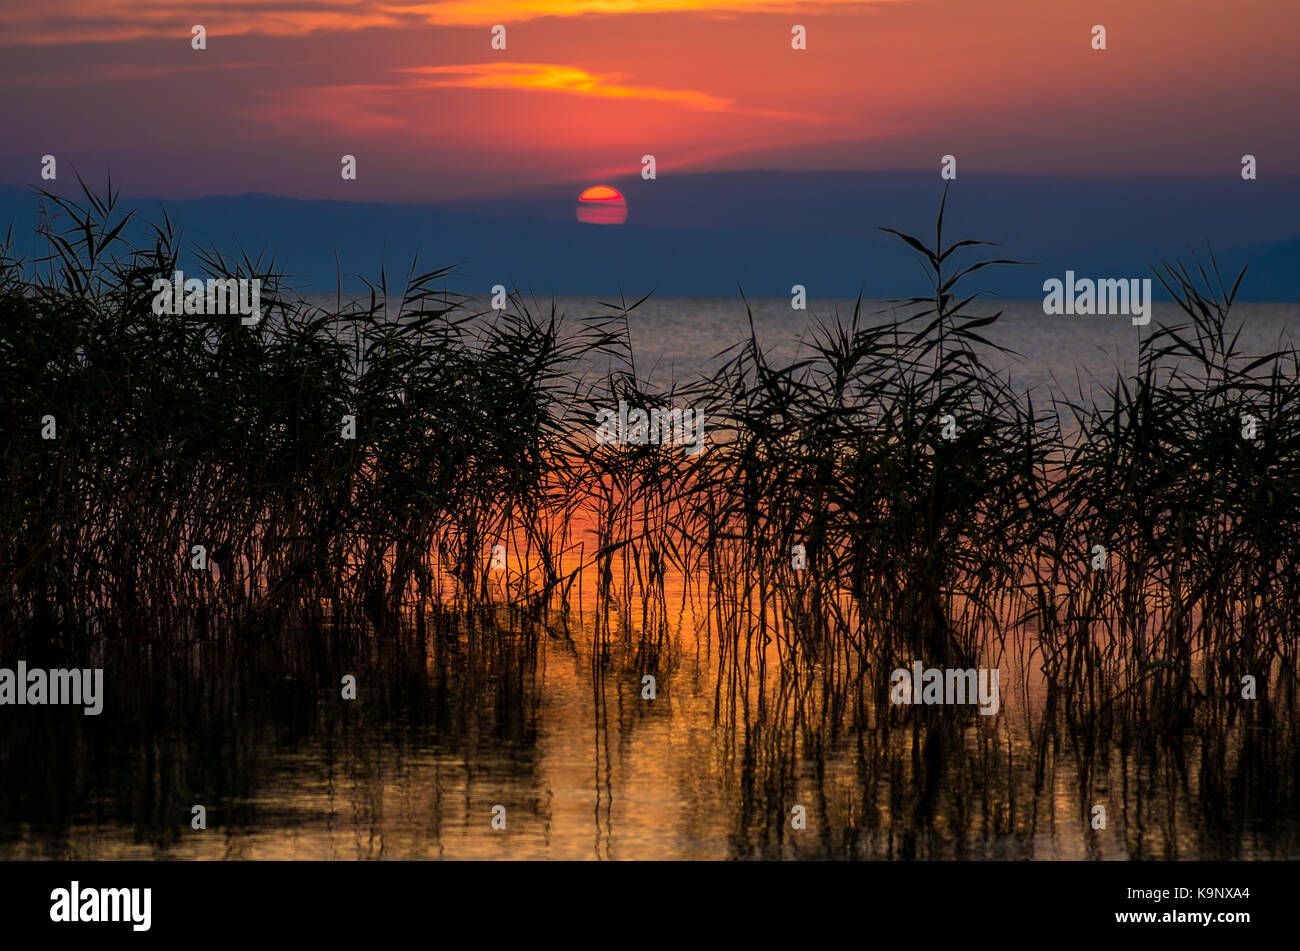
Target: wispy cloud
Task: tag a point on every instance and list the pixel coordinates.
(574, 80)
(479, 12)
(107, 21)
(119, 21)
(569, 79)
(370, 107)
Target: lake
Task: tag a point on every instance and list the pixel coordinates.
(727, 760)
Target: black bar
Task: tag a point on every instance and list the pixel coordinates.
(636, 902)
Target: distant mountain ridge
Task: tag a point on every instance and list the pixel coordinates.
(708, 234)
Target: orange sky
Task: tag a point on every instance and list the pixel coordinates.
(584, 88)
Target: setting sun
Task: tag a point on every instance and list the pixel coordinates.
(602, 205)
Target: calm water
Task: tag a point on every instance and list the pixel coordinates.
(1056, 354)
(1054, 357)
(587, 768)
(681, 338)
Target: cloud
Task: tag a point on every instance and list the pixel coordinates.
(576, 81)
(481, 12)
(117, 21)
(567, 79)
(376, 107)
(120, 21)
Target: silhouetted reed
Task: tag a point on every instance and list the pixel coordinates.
(942, 515)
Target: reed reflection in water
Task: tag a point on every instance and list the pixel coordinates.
(586, 768)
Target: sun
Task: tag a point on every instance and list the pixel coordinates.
(602, 205)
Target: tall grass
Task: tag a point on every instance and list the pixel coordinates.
(945, 516)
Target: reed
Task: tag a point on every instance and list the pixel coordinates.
(944, 515)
